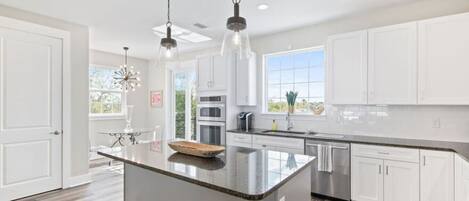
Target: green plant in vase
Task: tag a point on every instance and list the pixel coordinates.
(291, 100)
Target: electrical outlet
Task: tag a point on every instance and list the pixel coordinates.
(436, 123)
(282, 198)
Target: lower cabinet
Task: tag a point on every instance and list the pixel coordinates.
(378, 179)
(283, 144)
(436, 175)
(461, 176)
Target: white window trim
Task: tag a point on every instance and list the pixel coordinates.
(110, 116)
(276, 115)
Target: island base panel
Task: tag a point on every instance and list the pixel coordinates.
(145, 185)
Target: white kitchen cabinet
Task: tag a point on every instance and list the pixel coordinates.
(246, 72)
(461, 176)
(392, 64)
(204, 73)
(219, 70)
(401, 181)
(367, 179)
(347, 68)
(381, 173)
(443, 60)
(211, 73)
(239, 139)
(276, 148)
(436, 175)
(282, 143)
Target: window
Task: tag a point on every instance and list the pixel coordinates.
(302, 71)
(105, 98)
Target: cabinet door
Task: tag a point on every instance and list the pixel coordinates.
(367, 179)
(204, 73)
(461, 177)
(347, 68)
(219, 73)
(401, 181)
(246, 72)
(392, 64)
(443, 60)
(436, 175)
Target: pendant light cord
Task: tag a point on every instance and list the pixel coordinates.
(169, 12)
(125, 55)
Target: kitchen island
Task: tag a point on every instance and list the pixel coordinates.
(154, 172)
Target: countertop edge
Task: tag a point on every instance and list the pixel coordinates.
(463, 155)
(208, 185)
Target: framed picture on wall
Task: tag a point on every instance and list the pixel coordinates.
(156, 98)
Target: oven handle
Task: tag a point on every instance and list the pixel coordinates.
(334, 147)
(211, 123)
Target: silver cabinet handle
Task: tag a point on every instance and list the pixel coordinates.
(424, 160)
(384, 153)
(264, 145)
(379, 169)
(55, 133)
(387, 170)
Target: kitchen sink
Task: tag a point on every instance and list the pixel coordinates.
(283, 132)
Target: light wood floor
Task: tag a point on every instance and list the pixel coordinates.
(107, 185)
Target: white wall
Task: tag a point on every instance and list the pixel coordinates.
(392, 121)
(79, 83)
(138, 98)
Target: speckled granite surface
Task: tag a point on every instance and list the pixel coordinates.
(247, 173)
(459, 147)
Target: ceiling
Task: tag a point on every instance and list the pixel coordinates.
(116, 23)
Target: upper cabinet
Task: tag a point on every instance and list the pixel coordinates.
(424, 62)
(211, 73)
(347, 68)
(444, 60)
(392, 64)
(246, 89)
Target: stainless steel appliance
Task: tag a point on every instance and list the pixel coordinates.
(245, 120)
(211, 117)
(211, 132)
(211, 108)
(331, 170)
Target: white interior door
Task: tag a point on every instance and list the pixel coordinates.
(30, 113)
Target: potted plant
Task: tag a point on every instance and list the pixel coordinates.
(291, 99)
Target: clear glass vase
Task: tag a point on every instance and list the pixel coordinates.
(129, 110)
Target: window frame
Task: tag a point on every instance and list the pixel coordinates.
(264, 106)
(106, 116)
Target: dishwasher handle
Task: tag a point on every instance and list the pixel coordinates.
(333, 147)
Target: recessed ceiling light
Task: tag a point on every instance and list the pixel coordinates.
(262, 6)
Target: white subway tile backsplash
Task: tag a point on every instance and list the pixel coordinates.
(447, 123)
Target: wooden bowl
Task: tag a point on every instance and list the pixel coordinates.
(196, 149)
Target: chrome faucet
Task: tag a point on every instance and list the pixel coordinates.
(289, 122)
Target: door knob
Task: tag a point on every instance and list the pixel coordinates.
(55, 133)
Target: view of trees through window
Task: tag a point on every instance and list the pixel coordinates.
(105, 98)
(185, 104)
(302, 71)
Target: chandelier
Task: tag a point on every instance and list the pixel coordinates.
(126, 77)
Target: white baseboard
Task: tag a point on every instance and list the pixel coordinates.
(77, 181)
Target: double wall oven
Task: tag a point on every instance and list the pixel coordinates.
(211, 119)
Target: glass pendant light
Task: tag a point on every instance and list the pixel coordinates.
(236, 39)
(168, 46)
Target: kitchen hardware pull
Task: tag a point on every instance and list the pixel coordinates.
(210, 105)
(264, 145)
(55, 133)
(424, 160)
(379, 169)
(334, 147)
(387, 170)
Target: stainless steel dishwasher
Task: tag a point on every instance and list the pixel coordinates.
(335, 182)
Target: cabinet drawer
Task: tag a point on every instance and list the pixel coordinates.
(240, 138)
(385, 152)
(279, 142)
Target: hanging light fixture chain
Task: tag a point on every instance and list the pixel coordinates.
(169, 11)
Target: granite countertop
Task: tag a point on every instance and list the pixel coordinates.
(247, 173)
(461, 148)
